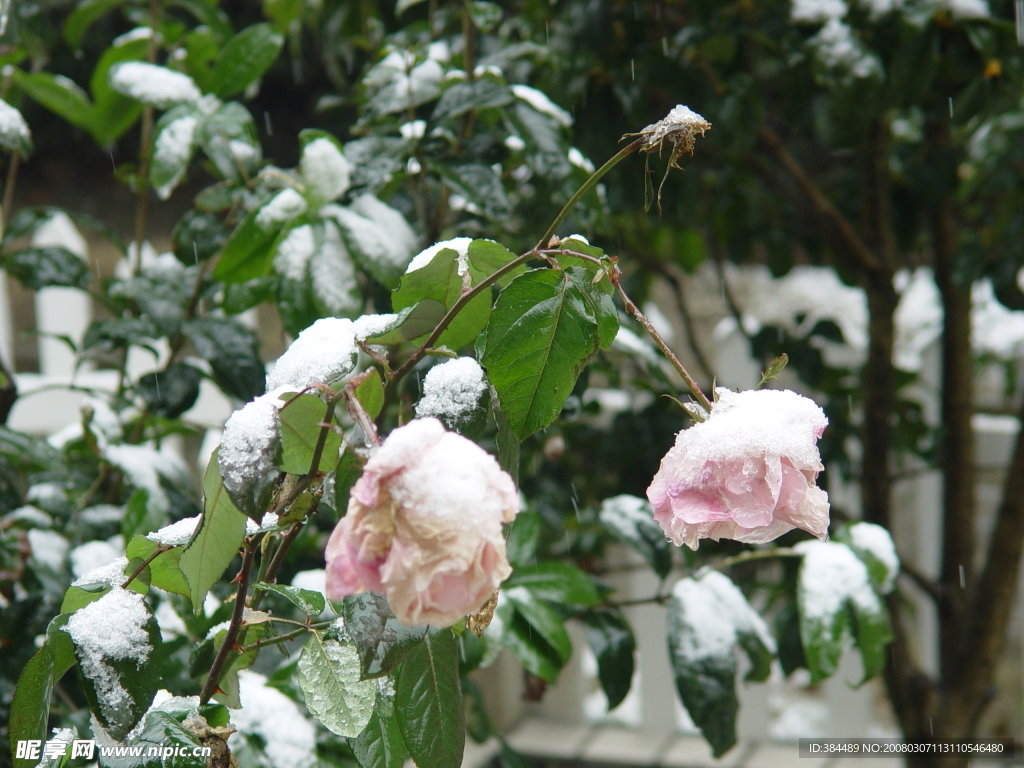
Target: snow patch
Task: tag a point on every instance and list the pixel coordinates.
(816, 11)
(282, 207)
(49, 548)
(540, 102)
(88, 559)
(452, 390)
(325, 170)
(876, 541)
(174, 148)
(267, 713)
(458, 244)
(714, 614)
(332, 276)
(154, 85)
(322, 354)
(251, 441)
(176, 534)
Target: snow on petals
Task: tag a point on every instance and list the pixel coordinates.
(746, 473)
(154, 85)
(424, 526)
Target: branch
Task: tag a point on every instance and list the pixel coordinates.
(244, 575)
(857, 248)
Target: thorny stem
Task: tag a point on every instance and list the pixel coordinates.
(589, 184)
(244, 575)
(278, 559)
(358, 413)
(632, 309)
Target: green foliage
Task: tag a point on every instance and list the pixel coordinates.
(428, 702)
(328, 674)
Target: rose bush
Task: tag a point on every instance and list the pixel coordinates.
(747, 472)
(424, 526)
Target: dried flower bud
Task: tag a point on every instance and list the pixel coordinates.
(679, 128)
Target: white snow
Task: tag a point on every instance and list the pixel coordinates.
(368, 326)
(376, 232)
(629, 342)
(60, 231)
(173, 147)
(250, 444)
(112, 573)
(325, 170)
(877, 541)
(314, 580)
(243, 151)
(269, 520)
(291, 260)
(267, 713)
(332, 275)
(878, 8)
(836, 48)
(414, 129)
(452, 390)
(139, 33)
(714, 614)
(458, 244)
(101, 514)
(965, 9)
(540, 102)
(830, 575)
(175, 534)
(13, 127)
(816, 11)
(49, 548)
(112, 628)
(144, 466)
(282, 207)
(30, 514)
(918, 318)
(578, 159)
(515, 143)
(92, 556)
(48, 495)
(996, 330)
(154, 85)
(170, 623)
(322, 354)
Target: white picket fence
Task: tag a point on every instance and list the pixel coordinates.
(650, 727)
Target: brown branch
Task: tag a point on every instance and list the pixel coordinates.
(235, 625)
(848, 237)
(991, 599)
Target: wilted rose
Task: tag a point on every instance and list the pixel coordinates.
(747, 472)
(424, 526)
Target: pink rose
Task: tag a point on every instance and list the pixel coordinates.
(746, 473)
(424, 526)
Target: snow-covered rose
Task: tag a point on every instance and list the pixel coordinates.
(424, 526)
(745, 473)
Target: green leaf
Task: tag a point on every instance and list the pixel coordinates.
(328, 675)
(301, 420)
(232, 351)
(507, 441)
(370, 393)
(440, 280)
(543, 330)
(461, 97)
(164, 570)
(39, 268)
(556, 581)
(283, 12)
(173, 146)
(546, 150)
(611, 639)
(380, 745)
(350, 466)
(707, 618)
(244, 58)
(544, 621)
(512, 630)
(379, 637)
(137, 518)
(83, 17)
(58, 94)
(216, 543)
(521, 539)
(172, 391)
(428, 703)
(30, 707)
(249, 252)
(228, 137)
(306, 600)
(486, 257)
(479, 184)
(118, 706)
(113, 113)
(630, 519)
(201, 45)
(403, 5)
(874, 546)
(837, 603)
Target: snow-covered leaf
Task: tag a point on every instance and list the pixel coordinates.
(250, 454)
(837, 603)
(332, 276)
(328, 674)
(707, 619)
(381, 640)
(630, 519)
(14, 133)
(377, 235)
(173, 147)
(228, 137)
(42, 267)
(153, 85)
(874, 545)
(324, 168)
